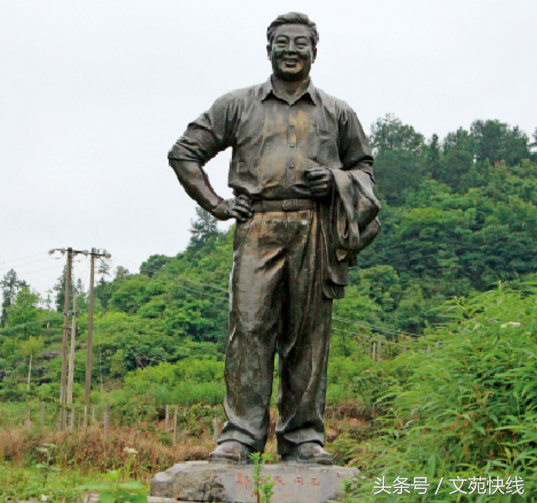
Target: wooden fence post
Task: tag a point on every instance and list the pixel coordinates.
(175, 426)
(184, 430)
(379, 356)
(27, 419)
(166, 418)
(106, 421)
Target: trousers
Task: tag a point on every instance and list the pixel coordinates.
(277, 306)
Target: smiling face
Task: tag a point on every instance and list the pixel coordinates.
(291, 52)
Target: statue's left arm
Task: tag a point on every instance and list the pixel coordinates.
(354, 149)
(354, 198)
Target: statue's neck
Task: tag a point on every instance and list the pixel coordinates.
(290, 89)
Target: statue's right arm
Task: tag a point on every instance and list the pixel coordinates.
(210, 133)
(196, 184)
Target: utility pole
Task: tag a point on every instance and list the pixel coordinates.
(63, 393)
(71, 376)
(89, 363)
(65, 334)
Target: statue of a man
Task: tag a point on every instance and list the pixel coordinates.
(302, 177)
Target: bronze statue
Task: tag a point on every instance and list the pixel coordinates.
(302, 177)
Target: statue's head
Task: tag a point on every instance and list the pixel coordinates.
(292, 45)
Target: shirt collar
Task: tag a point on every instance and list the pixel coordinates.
(267, 89)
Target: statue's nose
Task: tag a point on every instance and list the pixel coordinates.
(291, 47)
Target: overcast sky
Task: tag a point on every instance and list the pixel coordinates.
(94, 93)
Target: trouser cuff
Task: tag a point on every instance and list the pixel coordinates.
(288, 441)
(243, 438)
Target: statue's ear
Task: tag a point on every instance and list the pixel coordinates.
(314, 53)
(269, 51)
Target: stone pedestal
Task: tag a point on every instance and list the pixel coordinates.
(203, 481)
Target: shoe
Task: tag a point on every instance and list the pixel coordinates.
(231, 452)
(308, 453)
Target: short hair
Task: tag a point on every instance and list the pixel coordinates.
(294, 18)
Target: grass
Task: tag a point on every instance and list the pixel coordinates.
(85, 457)
(23, 483)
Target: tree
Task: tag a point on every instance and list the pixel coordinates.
(459, 140)
(82, 298)
(48, 300)
(103, 290)
(381, 284)
(154, 264)
(118, 368)
(433, 157)
(390, 134)
(129, 296)
(59, 288)
(497, 141)
(104, 268)
(30, 349)
(24, 311)
(121, 273)
(10, 286)
(399, 157)
(202, 230)
(458, 158)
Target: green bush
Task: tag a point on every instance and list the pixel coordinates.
(186, 382)
(468, 407)
(361, 380)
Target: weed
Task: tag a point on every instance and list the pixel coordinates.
(47, 465)
(39, 483)
(114, 491)
(263, 485)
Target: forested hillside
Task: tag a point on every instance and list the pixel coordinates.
(459, 214)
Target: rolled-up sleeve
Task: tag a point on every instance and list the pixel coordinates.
(210, 133)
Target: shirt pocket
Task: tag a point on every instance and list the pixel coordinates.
(322, 146)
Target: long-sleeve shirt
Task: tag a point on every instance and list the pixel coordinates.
(275, 141)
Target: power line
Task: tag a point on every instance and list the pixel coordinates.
(22, 258)
(27, 263)
(175, 276)
(376, 327)
(189, 289)
(45, 269)
(28, 323)
(367, 337)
